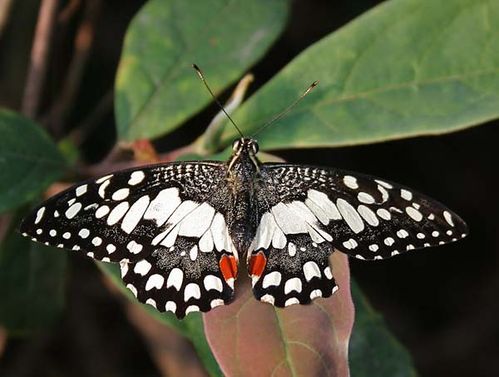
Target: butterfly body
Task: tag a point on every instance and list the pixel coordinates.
(179, 230)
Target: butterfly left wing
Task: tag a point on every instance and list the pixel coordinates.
(164, 224)
(306, 212)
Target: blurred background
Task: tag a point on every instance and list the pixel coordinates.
(442, 304)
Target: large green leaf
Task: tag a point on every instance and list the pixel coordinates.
(156, 88)
(373, 350)
(32, 281)
(191, 327)
(405, 68)
(29, 160)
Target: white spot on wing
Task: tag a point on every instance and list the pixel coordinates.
(311, 269)
(291, 301)
(117, 213)
(272, 279)
(384, 184)
(368, 215)
(448, 218)
(384, 214)
(142, 267)
(414, 213)
(220, 233)
(101, 212)
(171, 306)
(350, 244)
(389, 241)
(154, 281)
(197, 222)
(102, 179)
(102, 189)
(120, 194)
(191, 309)
(134, 247)
(351, 216)
(81, 190)
(193, 253)
(279, 239)
(97, 241)
(39, 215)
(192, 291)
(213, 282)
(206, 242)
(134, 215)
(132, 289)
(163, 206)
(350, 182)
(265, 231)
(216, 302)
(269, 299)
(323, 202)
(136, 177)
(175, 279)
(402, 233)
(293, 284)
(405, 194)
(73, 210)
(366, 198)
(315, 293)
(84, 233)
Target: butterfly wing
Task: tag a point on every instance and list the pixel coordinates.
(306, 212)
(164, 224)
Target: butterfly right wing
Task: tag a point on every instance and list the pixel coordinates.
(306, 212)
(164, 224)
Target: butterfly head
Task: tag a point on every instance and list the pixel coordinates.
(245, 145)
(244, 152)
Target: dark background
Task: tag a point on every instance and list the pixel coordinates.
(441, 303)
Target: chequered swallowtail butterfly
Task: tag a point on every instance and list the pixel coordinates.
(179, 229)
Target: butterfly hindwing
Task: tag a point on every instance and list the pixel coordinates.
(295, 274)
(164, 224)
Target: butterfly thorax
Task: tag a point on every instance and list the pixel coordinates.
(243, 174)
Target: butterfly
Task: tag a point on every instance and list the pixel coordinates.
(178, 230)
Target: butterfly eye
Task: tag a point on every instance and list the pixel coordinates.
(236, 145)
(254, 147)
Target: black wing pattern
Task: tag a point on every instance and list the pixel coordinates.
(164, 224)
(305, 212)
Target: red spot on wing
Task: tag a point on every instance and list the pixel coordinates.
(257, 264)
(228, 267)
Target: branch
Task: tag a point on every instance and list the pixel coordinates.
(82, 46)
(39, 54)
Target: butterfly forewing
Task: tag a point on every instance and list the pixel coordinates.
(164, 224)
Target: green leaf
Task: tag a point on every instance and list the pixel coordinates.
(29, 160)
(156, 87)
(373, 350)
(405, 68)
(191, 327)
(32, 281)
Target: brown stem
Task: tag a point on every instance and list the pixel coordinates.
(82, 46)
(39, 54)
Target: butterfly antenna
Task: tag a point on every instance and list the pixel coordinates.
(287, 109)
(201, 76)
